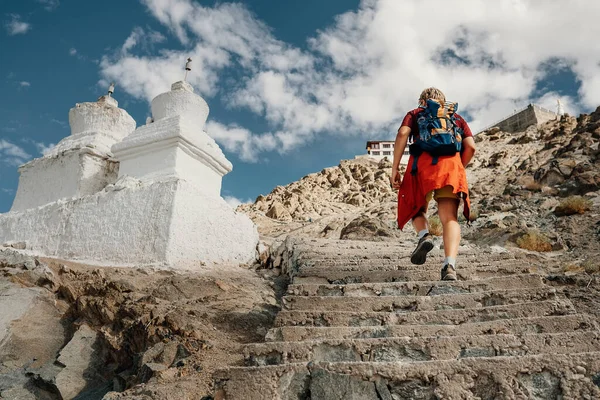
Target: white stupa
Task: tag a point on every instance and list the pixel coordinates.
(164, 208)
(81, 164)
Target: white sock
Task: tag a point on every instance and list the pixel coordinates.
(451, 261)
(423, 233)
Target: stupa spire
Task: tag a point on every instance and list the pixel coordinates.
(188, 68)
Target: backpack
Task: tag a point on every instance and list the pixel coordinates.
(439, 135)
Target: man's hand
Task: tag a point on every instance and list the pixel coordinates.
(395, 179)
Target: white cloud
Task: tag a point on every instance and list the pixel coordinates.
(144, 39)
(12, 154)
(59, 122)
(234, 202)
(549, 101)
(73, 51)
(362, 73)
(15, 26)
(24, 84)
(49, 5)
(241, 141)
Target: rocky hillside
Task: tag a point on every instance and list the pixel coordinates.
(323, 203)
(545, 180)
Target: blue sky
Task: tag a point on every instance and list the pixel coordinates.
(293, 87)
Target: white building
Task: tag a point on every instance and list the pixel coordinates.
(379, 149)
(109, 194)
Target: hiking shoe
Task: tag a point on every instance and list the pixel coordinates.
(449, 273)
(425, 245)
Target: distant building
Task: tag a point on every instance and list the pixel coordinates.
(523, 119)
(379, 149)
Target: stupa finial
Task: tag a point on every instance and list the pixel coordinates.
(188, 67)
(111, 89)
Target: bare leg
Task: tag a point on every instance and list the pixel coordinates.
(448, 212)
(419, 222)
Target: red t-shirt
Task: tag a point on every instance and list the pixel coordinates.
(410, 120)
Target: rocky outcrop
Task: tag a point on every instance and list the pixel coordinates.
(528, 174)
(73, 331)
(365, 228)
(353, 185)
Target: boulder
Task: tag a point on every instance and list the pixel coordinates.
(365, 228)
(278, 211)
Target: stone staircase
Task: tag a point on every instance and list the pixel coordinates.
(360, 322)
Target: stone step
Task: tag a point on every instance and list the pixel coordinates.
(516, 326)
(391, 252)
(418, 303)
(392, 264)
(320, 275)
(441, 317)
(543, 376)
(411, 349)
(422, 288)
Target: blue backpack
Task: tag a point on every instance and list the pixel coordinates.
(439, 135)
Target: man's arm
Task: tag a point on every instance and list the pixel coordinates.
(468, 150)
(399, 146)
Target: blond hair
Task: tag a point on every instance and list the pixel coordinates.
(432, 93)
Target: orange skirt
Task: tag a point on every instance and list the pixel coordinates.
(413, 190)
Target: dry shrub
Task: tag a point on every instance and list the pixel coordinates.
(435, 225)
(527, 182)
(535, 241)
(573, 205)
(572, 269)
(591, 267)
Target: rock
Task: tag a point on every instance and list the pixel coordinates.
(13, 259)
(581, 183)
(552, 177)
(330, 227)
(151, 370)
(331, 386)
(82, 364)
(17, 394)
(549, 203)
(382, 389)
(385, 163)
(278, 211)
(264, 253)
(365, 228)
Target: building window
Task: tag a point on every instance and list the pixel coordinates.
(387, 153)
(375, 145)
(387, 146)
(376, 153)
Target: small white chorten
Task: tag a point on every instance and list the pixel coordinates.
(560, 110)
(80, 164)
